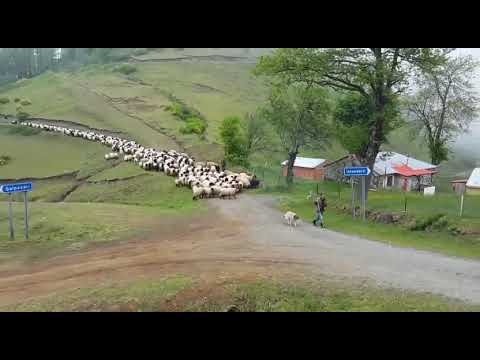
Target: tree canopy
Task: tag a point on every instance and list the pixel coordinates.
(300, 117)
(377, 74)
(445, 105)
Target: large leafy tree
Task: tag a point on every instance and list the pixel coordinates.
(234, 141)
(256, 133)
(299, 115)
(445, 105)
(377, 74)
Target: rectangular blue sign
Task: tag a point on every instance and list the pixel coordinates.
(356, 171)
(14, 188)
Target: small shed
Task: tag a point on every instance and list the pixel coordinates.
(473, 183)
(458, 186)
(334, 170)
(306, 168)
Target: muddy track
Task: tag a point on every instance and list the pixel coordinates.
(75, 125)
(70, 175)
(109, 181)
(189, 58)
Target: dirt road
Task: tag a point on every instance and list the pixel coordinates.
(349, 256)
(242, 239)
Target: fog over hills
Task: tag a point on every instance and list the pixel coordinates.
(469, 144)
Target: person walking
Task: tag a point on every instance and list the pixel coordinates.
(320, 206)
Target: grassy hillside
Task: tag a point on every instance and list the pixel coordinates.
(41, 154)
(102, 97)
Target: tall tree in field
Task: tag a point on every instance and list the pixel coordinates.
(445, 105)
(256, 133)
(377, 74)
(299, 115)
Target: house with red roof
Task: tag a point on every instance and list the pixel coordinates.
(392, 170)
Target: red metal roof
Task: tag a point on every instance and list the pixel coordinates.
(406, 170)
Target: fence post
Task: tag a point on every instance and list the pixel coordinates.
(461, 205)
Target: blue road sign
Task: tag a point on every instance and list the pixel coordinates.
(356, 171)
(14, 188)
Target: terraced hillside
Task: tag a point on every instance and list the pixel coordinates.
(213, 83)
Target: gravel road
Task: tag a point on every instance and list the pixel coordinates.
(350, 256)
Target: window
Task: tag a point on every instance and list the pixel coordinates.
(390, 181)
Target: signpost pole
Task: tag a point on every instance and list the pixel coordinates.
(363, 199)
(353, 197)
(10, 217)
(358, 172)
(25, 201)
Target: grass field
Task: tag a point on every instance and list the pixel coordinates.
(67, 226)
(149, 189)
(121, 171)
(261, 296)
(43, 154)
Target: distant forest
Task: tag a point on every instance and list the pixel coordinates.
(18, 63)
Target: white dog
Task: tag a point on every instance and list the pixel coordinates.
(291, 218)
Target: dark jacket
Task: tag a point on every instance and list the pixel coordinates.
(321, 205)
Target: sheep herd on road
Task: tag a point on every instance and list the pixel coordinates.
(206, 179)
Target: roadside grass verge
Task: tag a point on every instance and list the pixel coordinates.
(144, 295)
(167, 294)
(284, 297)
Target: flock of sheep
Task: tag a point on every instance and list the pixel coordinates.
(206, 179)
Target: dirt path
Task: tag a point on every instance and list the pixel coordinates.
(238, 239)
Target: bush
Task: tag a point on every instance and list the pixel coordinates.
(25, 102)
(5, 159)
(125, 69)
(4, 100)
(434, 221)
(17, 100)
(234, 141)
(194, 126)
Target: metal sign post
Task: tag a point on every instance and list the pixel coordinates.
(362, 172)
(353, 198)
(363, 199)
(10, 217)
(10, 189)
(25, 202)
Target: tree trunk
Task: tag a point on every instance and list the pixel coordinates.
(292, 155)
(376, 139)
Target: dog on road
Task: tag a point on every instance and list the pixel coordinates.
(291, 218)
